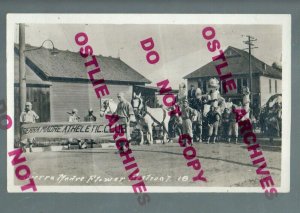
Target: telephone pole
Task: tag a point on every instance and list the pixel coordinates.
(22, 71)
(251, 46)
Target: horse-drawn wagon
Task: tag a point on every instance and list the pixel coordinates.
(152, 118)
(270, 117)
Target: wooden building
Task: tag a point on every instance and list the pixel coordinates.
(57, 84)
(266, 80)
(151, 95)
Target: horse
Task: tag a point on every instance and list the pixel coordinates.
(108, 107)
(149, 117)
(273, 120)
(271, 117)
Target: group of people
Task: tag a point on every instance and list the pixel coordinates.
(192, 120)
(124, 111)
(208, 127)
(28, 116)
(73, 118)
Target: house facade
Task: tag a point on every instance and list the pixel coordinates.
(58, 84)
(266, 80)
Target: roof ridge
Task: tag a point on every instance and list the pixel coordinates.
(257, 64)
(122, 71)
(67, 50)
(245, 54)
(34, 67)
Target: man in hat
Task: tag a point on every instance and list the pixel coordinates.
(198, 105)
(233, 126)
(125, 113)
(28, 116)
(90, 118)
(73, 118)
(188, 116)
(213, 118)
(177, 120)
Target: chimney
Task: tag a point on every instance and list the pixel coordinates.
(264, 66)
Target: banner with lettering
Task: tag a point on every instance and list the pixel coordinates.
(84, 130)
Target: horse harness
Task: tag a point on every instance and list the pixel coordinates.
(107, 107)
(142, 113)
(160, 123)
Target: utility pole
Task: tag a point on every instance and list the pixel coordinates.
(250, 44)
(22, 71)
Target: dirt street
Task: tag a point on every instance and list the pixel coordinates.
(224, 165)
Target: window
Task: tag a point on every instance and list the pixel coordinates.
(275, 86)
(239, 85)
(245, 82)
(270, 86)
(204, 86)
(199, 84)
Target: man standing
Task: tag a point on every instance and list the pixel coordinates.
(180, 98)
(89, 118)
(191, 95)
(226, 124)
(188, 115)
(198, 105)
(213, 118)
(229, 103)
(28, 117)
(73, 118)
(125, 112)
(233, 126)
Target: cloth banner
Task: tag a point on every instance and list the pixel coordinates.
(84, 130)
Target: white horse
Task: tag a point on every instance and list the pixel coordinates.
(149, 117)
(107, 107)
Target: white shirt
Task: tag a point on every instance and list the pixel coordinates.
(28, 117)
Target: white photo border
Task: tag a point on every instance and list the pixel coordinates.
(213, 19)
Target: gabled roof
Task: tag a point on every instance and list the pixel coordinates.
(238, 63)
(31, 76)
(67, 64)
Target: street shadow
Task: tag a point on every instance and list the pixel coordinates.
(83, 151)
(172, 153)
(270, 148)
(203, 157)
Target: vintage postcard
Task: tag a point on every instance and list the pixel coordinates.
(147, 103)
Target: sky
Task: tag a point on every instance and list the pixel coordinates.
(182, 48)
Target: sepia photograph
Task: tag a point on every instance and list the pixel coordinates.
(148, 103)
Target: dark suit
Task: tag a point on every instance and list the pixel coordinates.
(191, 97)
(197, 125)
